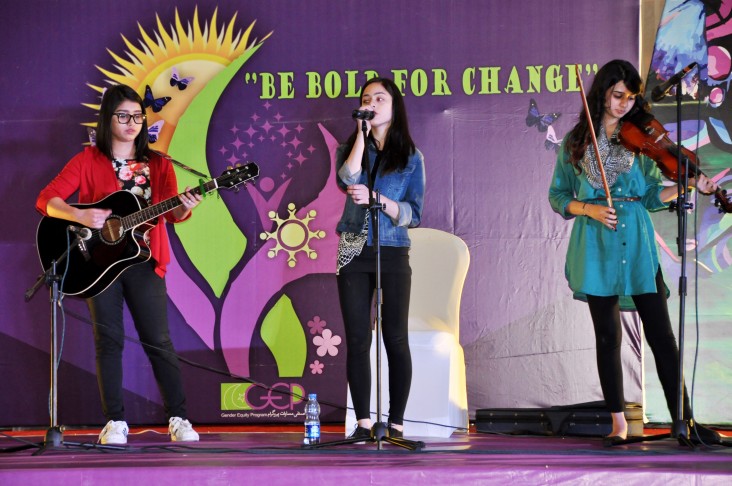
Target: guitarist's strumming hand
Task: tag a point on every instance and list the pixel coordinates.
(188, 202)
(89, 217)
(94, 217)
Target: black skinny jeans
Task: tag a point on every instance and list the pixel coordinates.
(356, 290)
(653, 311)
(146, 297)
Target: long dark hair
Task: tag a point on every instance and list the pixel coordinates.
(111, 100)
(398, 145)
(608, 76)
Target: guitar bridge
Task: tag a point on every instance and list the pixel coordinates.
(81, 245)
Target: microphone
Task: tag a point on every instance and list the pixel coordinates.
(83, 233)
(660, 91)
(362, 115)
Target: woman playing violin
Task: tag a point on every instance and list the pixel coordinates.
(612, 260)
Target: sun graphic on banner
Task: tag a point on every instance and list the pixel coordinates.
(168, 69)
(292, 235)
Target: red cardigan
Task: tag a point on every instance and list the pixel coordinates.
(91, 174)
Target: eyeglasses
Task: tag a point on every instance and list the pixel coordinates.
(124, 118)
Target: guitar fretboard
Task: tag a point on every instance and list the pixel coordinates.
(152, 212)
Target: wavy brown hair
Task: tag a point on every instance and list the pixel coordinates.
(608, 76)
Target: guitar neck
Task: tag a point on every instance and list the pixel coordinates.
(152, 212)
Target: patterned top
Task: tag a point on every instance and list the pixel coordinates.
(134, 177)
(616, 160)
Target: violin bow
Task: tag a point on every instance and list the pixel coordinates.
(608, 198)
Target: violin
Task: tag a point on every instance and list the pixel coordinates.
(651, 139)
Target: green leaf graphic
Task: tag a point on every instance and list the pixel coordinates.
(283, 334)
(211, 239)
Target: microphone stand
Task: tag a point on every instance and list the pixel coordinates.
(54, 437)
(680, 428)
(680, 425)
(379, 431)
(54, 434)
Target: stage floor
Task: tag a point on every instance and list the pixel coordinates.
(273, 456)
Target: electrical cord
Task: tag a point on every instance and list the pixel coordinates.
(234, 376)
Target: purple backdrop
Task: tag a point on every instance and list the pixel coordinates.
(470, 71)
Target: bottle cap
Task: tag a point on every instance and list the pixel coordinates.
(312, 396)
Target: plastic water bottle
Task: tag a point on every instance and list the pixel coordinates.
(312, 420)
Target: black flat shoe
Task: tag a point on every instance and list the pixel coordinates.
(360, 433)
(698, 434)
(394, 433)
(612, 440)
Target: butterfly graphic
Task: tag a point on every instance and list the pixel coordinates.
(92, 133)
(153, 131)
(541, 121)
(552, 142)
(176, 80)
(155, 103)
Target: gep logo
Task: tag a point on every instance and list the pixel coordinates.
(247, 396)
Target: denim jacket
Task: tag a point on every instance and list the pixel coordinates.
(405, 187)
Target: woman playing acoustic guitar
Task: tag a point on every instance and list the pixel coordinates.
(121, 160)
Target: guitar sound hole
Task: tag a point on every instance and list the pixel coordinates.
(112, 232)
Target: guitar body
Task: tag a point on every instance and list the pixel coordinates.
(95, 261)
(111, 250)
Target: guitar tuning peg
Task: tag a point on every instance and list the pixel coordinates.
(238, 165)
(228, 167)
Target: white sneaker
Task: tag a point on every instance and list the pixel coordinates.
(115, 432)
(181, 430)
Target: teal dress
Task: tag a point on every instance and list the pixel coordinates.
(601, 261)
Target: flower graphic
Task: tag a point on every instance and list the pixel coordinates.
(316, 325)
(125, 173)
(327, 343)
(316, 367)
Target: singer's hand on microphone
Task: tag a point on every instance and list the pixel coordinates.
(358, 193)
(364, 114)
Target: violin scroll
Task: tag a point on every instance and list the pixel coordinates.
(722, 201)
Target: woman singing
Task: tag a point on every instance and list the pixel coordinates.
(397, 169)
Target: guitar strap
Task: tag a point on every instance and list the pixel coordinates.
(202, 177)
(180, 164)
(189, 169)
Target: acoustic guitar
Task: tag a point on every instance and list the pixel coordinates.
(96, 257)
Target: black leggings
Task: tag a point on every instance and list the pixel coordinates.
(146, 297)
(653, 311)
(356, 290)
